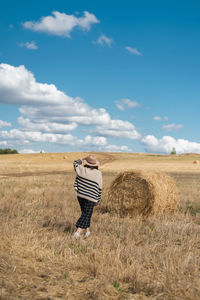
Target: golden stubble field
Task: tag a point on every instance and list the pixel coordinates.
(125, 258)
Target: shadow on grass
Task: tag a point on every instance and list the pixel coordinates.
(64, 226)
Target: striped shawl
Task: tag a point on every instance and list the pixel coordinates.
(88, 182)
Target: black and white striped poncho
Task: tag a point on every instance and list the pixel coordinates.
(88, 182)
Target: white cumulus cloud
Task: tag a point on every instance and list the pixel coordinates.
(171, 127)
(18, 86)
(30, 151)
(158, 118)
(133, 50)
(119, 129)
(43, 102)
(25, 137)
(29, 45)
(3, 143)
(62, 24)
(46, 127)
(124, 103)
(20, 138)
(115, 148)
(48, 114)
(104, 40)
(4, 124)
(126, 134)
(166, 143)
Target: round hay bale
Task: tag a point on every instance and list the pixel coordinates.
(52, 156)
(65, 157)
(196, 162)
(142, 193)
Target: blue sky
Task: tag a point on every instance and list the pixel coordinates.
(100, 75)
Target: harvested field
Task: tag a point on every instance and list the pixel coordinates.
(115, 162)
(125, 258)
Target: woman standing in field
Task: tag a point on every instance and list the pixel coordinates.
(88, 186)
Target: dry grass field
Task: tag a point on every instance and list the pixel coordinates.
(125, 258)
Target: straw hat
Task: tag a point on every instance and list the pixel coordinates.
(91, 160)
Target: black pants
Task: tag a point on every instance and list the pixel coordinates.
(87, 210)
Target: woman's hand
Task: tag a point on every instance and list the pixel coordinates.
(84, 158)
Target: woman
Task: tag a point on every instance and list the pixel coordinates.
(88, 186)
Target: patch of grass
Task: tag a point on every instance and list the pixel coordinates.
(116, 285)
(65, 273)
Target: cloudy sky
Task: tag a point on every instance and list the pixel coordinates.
(100, 75)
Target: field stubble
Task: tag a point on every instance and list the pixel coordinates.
(125, 258)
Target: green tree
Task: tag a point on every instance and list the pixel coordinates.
(173, 151)
(8, 151)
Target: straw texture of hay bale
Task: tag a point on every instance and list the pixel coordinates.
(196, 162)
(142, 193)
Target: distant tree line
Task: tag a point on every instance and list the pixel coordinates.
(8, 151)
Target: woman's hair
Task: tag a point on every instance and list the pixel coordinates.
(91, 167)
